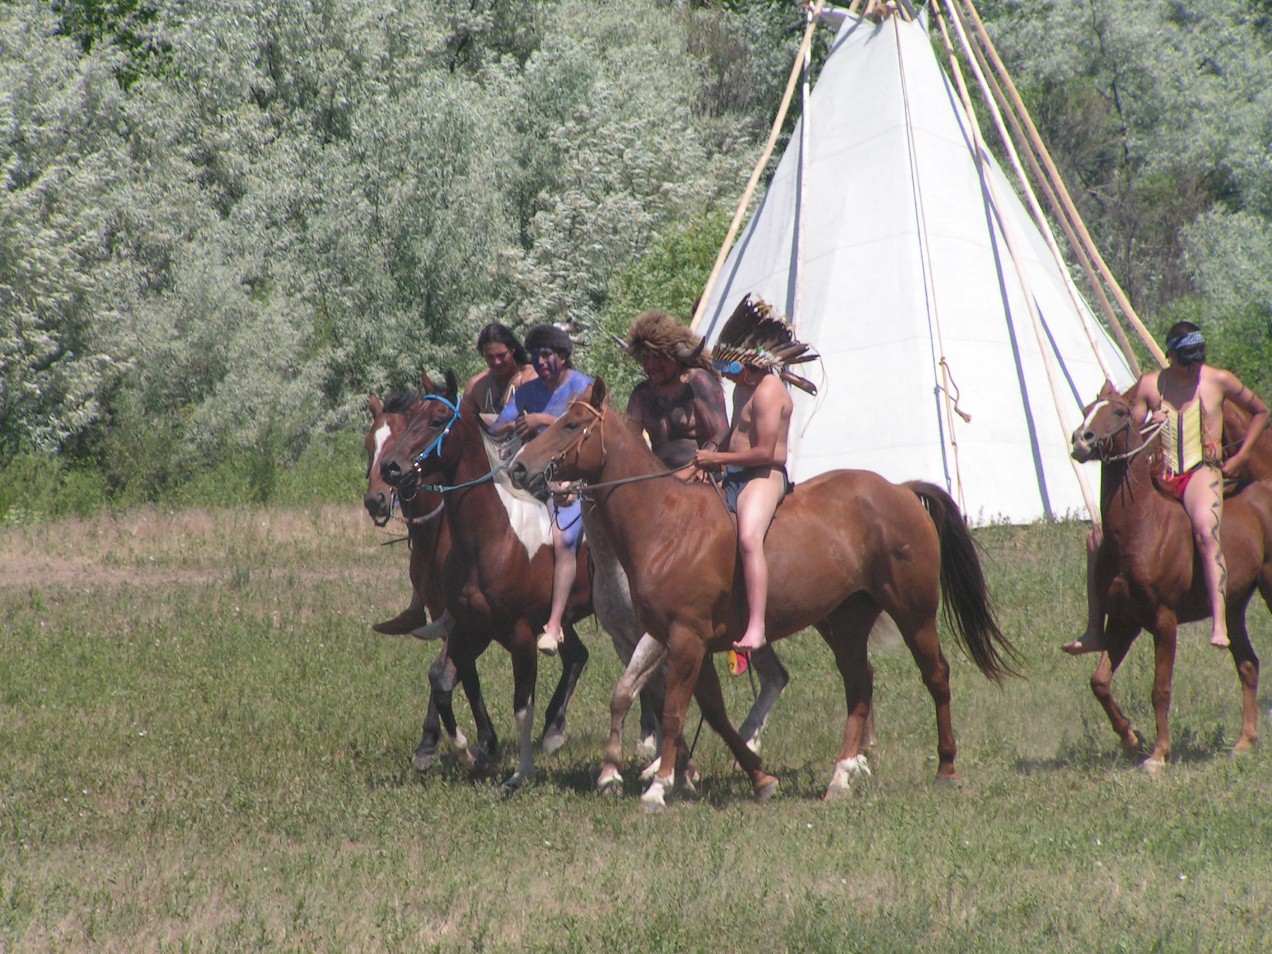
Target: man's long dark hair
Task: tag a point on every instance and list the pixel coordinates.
(501, 334)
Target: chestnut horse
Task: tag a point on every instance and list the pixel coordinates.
(845, 547)
(1148, 570)
(495, 553)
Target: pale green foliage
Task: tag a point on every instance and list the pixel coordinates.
(1157, 110)
(314, 199)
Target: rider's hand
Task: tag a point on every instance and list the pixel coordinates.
(707, 460)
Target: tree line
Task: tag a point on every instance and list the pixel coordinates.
(224, 222)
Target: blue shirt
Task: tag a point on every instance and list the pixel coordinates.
(535, 398)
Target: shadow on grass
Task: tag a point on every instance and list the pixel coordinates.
(1092, 751)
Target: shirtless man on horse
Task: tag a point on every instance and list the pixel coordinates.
(752, 352)
(680, 404)
(1187, 399)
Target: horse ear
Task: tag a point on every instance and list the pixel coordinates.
(598, 393)
(374, 405)
(1107, 391)
(426, 384)
(452, 384)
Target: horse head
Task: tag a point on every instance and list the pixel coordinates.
(571, 448)
(388, 421)
(422, 448)
(1106, 430)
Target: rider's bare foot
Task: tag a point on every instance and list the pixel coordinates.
(1087, 643)
(1220, 641)
(751, 641)
(549, 642)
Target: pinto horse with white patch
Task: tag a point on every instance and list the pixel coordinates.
(497, 578)
(843, 548)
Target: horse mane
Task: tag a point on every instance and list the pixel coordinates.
(399, 402)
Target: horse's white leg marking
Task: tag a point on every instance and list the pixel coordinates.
(846, 772)
(655, 797)
(525, 762)
(459, 742)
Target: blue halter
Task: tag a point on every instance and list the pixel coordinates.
(436, 444)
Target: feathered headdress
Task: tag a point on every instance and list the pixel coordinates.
(755, 335)
(654, 332)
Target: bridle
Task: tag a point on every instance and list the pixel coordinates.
(435, 445)
(1104, 445)
(549, 471)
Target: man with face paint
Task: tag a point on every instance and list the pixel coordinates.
(536, 405)
(1187, 398)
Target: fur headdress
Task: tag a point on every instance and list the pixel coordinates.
(756, 336)
(654, 332)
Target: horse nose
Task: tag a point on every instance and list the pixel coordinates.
(376, 503)
(517, 473)
(390, 471)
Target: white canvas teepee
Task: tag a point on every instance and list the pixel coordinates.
(905, 285)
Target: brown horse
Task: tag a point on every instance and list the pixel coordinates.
(1148, 570)
(497, 578)
(429, 541)
(845, 547)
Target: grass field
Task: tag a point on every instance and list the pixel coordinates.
(204, 747)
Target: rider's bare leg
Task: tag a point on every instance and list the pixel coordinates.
(1203, 499)
(563, 573)
(756, 504)
(1092, 640)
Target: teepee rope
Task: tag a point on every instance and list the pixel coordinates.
(929, 280)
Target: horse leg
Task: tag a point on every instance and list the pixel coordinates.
(685, 652)
(525, 664)
(918, 629)
(1247, 664)
(847, 631)
(464, 652)
(773, 679)
(644, 662)
(442, 679)
(573, 658)
(1164, 642)
(1118, 637)
(711, 702)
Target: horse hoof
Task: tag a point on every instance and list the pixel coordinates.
(655, 797)
(647, 747)
(610, 782)
(765, 788)
(1153, 765)
(948, 781)
(551, 742)
(423, 761)
(1244, 746)
(847, 772)
(513, 783)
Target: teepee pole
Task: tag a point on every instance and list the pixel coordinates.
(1053, 201)
(745, 201)
(1067, 200)
(797, 307)
(982, 154)
(1040, 220)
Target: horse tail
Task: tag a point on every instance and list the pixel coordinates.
(966, 603)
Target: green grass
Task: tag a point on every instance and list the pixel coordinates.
(203, 747)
